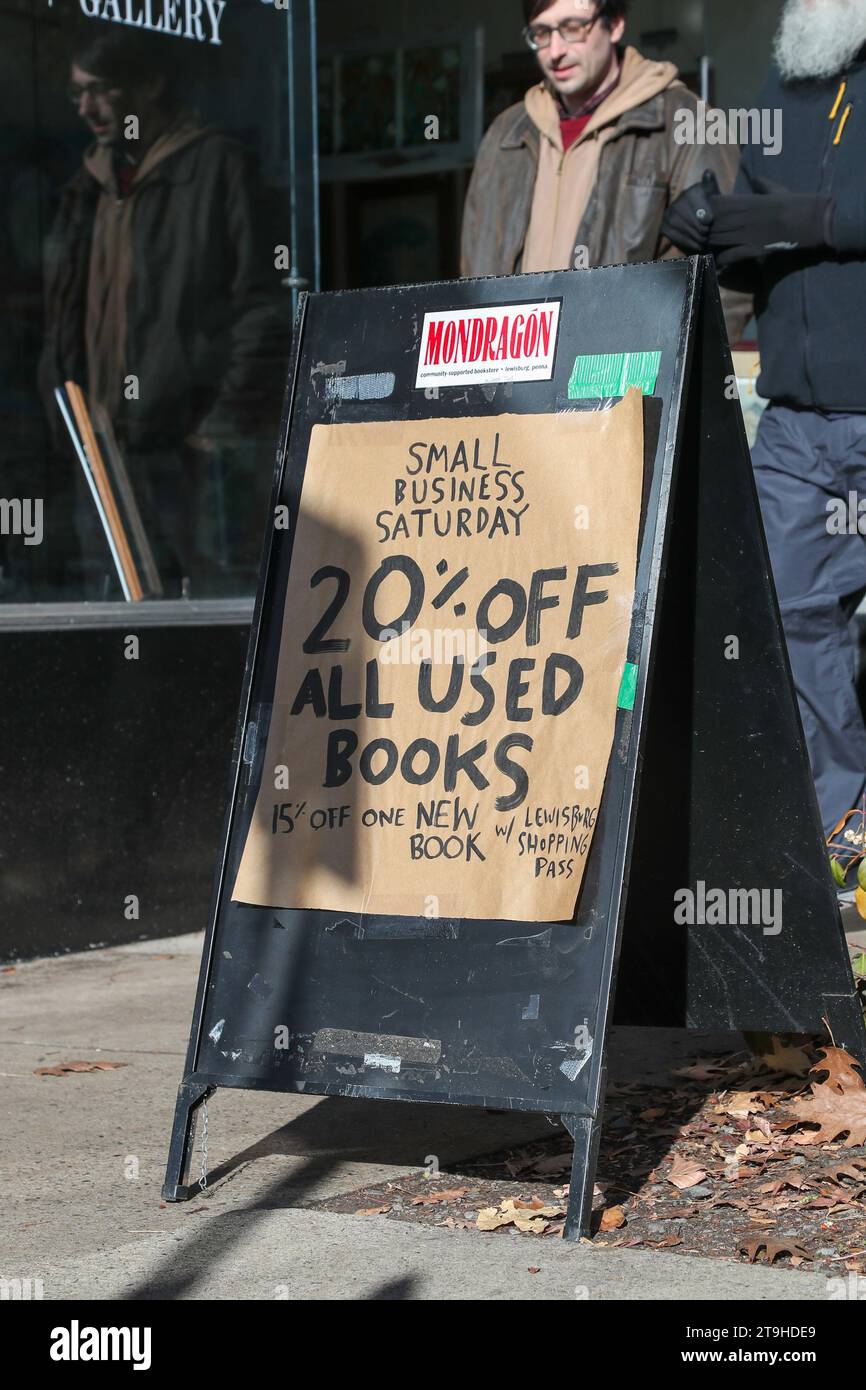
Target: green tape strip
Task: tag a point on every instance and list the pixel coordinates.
(612, 373)
(628, 687)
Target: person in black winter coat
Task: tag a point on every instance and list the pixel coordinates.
(794, 233)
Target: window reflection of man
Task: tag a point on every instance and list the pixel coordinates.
(162, 301)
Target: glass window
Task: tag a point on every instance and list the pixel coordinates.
(431, 82)
(147, 319)
(401, 108)
(366, 106)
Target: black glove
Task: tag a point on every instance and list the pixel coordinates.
(689, 218)
(746, 227)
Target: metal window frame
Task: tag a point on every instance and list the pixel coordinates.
(149, 613)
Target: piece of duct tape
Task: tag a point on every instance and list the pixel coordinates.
(346, 1042)
(374, 386)
(627, 687)
(612, 373)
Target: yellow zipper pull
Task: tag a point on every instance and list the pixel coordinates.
(845, 114)
(838, 102)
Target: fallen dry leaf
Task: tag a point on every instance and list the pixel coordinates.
(685, 1172)
(434, 1197)
(793, 1060)
(843, 1070)
(63, 1067)
(523, 1210)
(740, 1104)
(856, 1170)
(772, 1249)
(701, 1071)
(490, 1219)
(612, 1219)
(837, 1104)
(532, 1217)
(372, 1211)
(795, 1180)
(519, 1164)
(555, 1165)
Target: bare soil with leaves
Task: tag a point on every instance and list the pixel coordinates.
(759, 1158)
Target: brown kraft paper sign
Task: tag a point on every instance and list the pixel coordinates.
(453, 642)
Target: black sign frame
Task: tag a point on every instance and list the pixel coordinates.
(516, 1015)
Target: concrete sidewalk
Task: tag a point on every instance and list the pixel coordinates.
(83, 1157)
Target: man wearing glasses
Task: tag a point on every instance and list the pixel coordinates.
(581, 172)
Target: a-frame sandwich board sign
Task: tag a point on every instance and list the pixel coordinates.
(707, 785)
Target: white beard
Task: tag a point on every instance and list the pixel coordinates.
(819, 38)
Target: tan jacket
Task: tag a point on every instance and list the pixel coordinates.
(529, 207)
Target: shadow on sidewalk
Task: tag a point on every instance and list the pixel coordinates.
(492, 1147)
(331, 1134)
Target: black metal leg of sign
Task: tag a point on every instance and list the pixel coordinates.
(586, 1132)
(190, 1096)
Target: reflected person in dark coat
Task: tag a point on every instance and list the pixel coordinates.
(163, 302)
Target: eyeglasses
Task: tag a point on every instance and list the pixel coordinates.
(570, 31)
(89, 89)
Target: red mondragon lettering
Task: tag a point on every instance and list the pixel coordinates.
(434, 342)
